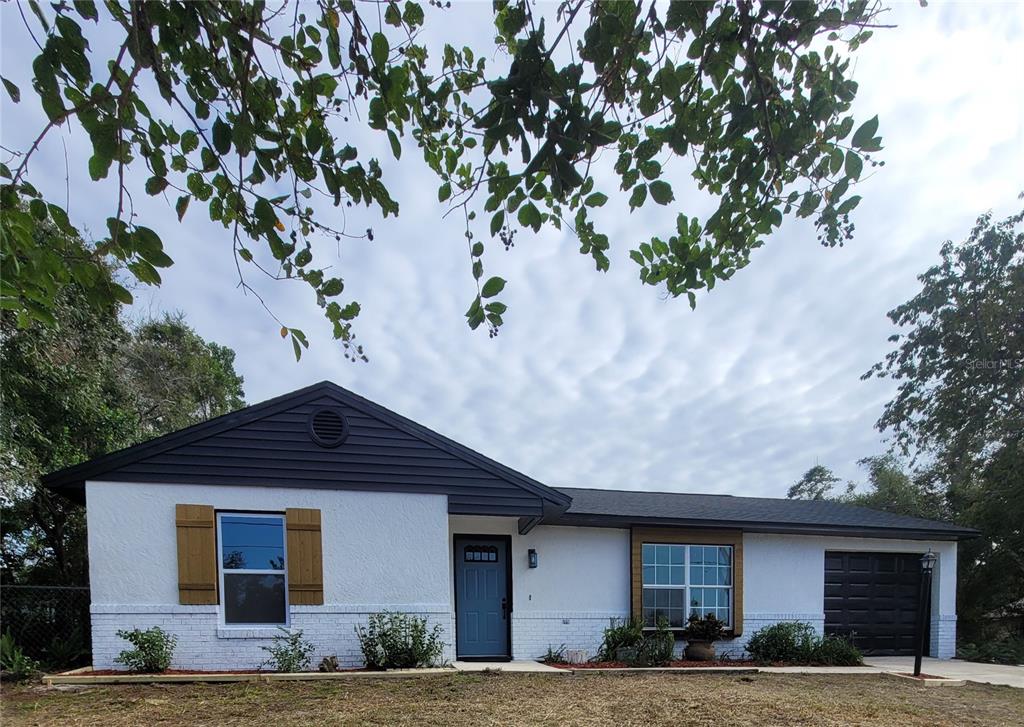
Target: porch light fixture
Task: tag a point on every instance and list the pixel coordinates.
(531, 556)
(923, 603)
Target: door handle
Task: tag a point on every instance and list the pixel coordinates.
(504, 608)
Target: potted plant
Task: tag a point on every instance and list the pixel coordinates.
(701, 635)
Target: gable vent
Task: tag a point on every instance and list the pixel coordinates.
(328, 427)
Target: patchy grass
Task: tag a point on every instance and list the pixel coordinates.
(645, 700)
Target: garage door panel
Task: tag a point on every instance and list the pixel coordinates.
(872, 597)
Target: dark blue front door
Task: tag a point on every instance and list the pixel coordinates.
(481, 597)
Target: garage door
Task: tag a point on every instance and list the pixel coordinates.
(873, 598)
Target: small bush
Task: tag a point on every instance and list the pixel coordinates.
(837, 651)
(655, 648)
(14, 663)
(708, 629)
(554, 656)
(289, 653)
(624, 635)
(1009, 650)
(152, 653)
(399, 641)
(795, 642)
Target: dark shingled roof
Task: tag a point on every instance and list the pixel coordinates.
(752, 514)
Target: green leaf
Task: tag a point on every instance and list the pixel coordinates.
(661, 192)
(863, 136)
(38, 209)
(638, 197)
(492, 287)
(529, 216)
(396, 147)
(332, 287)
(379, 50)
(99, 166)
(12, 90)
(854, 164)
(597, 199)
(444, 191)
(497, 221)
(221, 136)
(181, 205)
(392, 16)
(155, 185)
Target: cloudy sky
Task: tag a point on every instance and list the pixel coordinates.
(595, 380)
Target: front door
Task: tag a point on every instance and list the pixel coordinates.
(482, 608)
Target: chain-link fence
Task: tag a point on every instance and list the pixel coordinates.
(50, 623)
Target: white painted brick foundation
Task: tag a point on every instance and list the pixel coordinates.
(534, 631)
(943, 636)
(204, 644)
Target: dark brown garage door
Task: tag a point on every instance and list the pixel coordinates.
(873, 598)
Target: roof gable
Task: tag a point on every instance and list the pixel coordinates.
(269, 444)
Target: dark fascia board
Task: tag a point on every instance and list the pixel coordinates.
(620, 521)
(75, 476)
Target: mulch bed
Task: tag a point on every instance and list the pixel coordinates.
(673, 664)
(192, 672)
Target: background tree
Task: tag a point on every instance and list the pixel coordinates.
(958, 413)
(247, 108)
(816, 484)
(88, 384)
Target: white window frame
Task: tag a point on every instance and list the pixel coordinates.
(252, 571)
(685, 586)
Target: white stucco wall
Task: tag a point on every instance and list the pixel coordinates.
(393, 551)
(580, 585)
(380, 551)
(784, 579)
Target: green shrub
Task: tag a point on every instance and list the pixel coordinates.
(14, 663)
(795, 642)
(66, 650)
(1009, 650)
(836, 651)
(623, 635)
(153, 650)
(655, 648)
(289, 653)
(399, 641)
(708, 629)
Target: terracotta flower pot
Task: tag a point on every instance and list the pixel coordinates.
(700, 650)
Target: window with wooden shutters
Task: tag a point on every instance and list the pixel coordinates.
(197, 554)
(305, 557)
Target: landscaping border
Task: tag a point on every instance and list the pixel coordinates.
(84, 676)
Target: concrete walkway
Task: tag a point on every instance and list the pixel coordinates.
(1012, 676)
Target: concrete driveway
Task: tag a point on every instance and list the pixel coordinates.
(1012, 676)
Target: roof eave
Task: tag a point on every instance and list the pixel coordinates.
(865, 531)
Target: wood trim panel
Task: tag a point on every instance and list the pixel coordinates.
(684, 536)
(305, 557)
(197, 554)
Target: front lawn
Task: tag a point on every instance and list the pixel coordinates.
(527, 699)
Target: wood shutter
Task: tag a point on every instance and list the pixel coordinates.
(197, 554)
(305, 557)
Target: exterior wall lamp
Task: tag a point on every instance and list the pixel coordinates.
(532, 559)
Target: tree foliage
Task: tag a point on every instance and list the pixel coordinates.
(960, 367)
(816, 484)
(247, 109)
(88, 384)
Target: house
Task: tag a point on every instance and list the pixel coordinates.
(317, 508)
